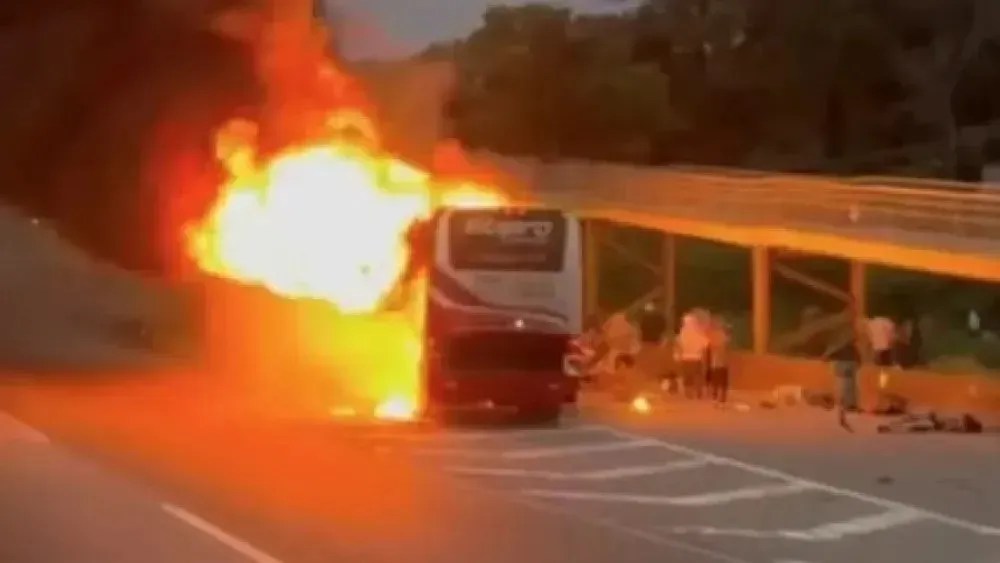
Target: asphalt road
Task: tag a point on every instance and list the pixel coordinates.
(167, 470)
(55, 506)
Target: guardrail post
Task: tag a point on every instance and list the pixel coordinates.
(761, 272)
(669, 274)
(859, 290)
(591, 269)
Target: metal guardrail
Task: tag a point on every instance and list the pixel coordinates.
(925, 209)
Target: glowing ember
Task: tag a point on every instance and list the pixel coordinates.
(641, 405)
(469, 196)
(397, 408)
(326, 218)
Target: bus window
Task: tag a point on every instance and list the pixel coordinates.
(532, 241)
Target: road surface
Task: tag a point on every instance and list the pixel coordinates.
(168, 471)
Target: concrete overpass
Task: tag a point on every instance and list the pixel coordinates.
(943, 228)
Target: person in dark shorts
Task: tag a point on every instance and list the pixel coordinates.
(909, 344)
(718, 358)
(627, 379)
(652, 325)
(845, 352)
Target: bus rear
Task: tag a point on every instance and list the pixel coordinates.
(504, 293)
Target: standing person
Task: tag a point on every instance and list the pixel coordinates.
(628, 380)
(654, 357)
(846, 350)
(907, 344)
(690, 350)
(652, 325)
(620, 334)
(882, 335)
(718, 370)
(620, 337)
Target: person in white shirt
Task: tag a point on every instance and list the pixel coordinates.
(691, 352)
(882, 336)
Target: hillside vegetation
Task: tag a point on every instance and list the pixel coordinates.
(840, 86)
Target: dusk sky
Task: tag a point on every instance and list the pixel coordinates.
(388, 28)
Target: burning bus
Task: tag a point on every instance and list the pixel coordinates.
(503, 294)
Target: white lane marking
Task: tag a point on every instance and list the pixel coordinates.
(12, 429)
(602, 522)
(833, 531)
(537, 453)
(220, 535)
(464, 436)
(706, 499)
(598, 475)
(961, 523)
(642, 470)
(559, 451)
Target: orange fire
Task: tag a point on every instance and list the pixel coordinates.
(326, 219)
(641, 405)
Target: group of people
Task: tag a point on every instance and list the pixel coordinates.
(701, 353)
(640, 357)
(631, 358)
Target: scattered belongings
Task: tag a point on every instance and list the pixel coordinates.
(932, 422)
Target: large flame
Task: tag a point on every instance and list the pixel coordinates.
(326, 218)
(325, 221)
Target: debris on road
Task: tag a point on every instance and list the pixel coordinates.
(932, 422)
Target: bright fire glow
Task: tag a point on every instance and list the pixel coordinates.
(641, 405)
(327, 222)
(326, 218)
(397, 408)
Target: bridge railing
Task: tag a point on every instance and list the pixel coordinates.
(757, 198)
